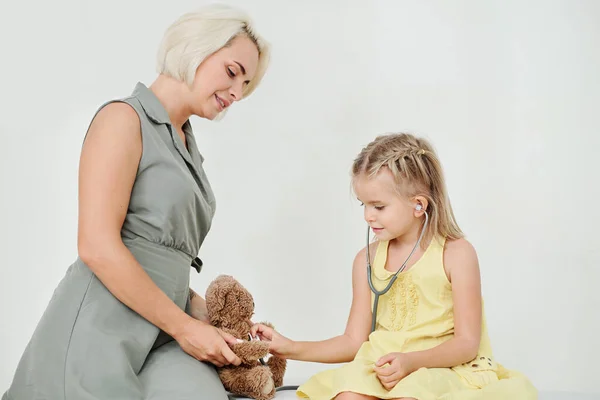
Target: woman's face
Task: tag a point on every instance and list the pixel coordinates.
(221, 77)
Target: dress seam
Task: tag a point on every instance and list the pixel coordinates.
(71, 336)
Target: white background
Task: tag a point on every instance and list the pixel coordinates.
(507, 91)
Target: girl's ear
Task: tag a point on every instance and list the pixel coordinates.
(420, 201)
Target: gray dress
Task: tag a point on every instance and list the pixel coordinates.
(88, 345)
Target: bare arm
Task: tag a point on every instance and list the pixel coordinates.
(107, 171)
(198, 308)
(342, 348)
(462, 266)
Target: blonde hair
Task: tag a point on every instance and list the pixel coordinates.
(417, 171)
(196, 35)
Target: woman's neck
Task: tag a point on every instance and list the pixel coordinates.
(173, 95)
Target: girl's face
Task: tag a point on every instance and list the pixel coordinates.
(388, 214)
(221, 77)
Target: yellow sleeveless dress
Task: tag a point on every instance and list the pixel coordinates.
(417, 314)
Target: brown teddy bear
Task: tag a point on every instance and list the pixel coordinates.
(230, 308)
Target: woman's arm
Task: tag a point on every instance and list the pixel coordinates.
(108, 168)
(342, 348)
(198, 308)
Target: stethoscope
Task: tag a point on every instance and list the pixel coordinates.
(375, 291)
(378, 293)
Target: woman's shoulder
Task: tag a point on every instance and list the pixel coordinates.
(117, 111)
(116, 124)
(115, 117)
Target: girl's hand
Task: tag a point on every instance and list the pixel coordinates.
(400, 365)
(206, 343)
(279, 345)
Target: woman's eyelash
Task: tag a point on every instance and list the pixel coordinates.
(230, 72)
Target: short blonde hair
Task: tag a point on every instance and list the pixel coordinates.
(196, 35)
(417, 171)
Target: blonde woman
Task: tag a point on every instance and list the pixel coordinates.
(123, 323)
(429, 338)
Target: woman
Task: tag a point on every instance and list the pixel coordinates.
(145, 207)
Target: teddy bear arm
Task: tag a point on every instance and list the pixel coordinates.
(231, 332)
(250, 352)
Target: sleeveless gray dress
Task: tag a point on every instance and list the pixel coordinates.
(90, 346)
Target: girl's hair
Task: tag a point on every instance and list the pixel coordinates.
(417, 171)
(196, 35)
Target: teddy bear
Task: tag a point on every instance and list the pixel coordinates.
(230, 308)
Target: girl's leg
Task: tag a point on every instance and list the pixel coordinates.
(353, 396)
(356, 396)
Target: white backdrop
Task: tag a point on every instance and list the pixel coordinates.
(507, 91)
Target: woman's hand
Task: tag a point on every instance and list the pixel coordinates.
(206, 343)
(279, 345)
(400, 365)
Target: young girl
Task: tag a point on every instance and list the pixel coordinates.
(430, 339)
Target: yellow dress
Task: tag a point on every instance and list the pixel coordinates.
(417, 314)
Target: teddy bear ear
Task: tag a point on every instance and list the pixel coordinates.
(216, 293)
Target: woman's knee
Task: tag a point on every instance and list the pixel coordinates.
(170, 373)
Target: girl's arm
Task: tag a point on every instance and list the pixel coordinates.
(338, 349)
(462, 266)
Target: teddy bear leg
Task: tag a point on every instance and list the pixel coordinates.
(277, 366)
(255, 382)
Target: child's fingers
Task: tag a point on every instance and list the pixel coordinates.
(390, 385)
(391, 380)
(254, 329)
(388, 358)
(384, 371)
(261, 330)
